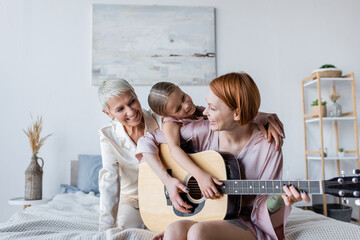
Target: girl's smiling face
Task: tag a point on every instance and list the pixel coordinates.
(179, 105)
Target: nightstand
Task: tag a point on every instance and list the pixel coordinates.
(27, 203)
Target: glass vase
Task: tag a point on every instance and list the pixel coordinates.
(335, 110)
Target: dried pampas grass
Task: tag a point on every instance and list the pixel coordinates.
(334, 97)
(33, 133)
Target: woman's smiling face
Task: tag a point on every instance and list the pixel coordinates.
(126, 109)
(220, 116)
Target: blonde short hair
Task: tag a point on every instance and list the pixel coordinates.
(111, 88)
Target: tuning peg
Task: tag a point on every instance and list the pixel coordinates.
(357, 202)
(345, 201)
(342, 174)
(356, 171)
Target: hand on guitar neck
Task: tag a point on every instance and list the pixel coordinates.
(292, 195)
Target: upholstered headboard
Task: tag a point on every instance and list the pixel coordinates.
(74, 171)
(84, 173)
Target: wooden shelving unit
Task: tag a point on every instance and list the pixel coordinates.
(315, 118)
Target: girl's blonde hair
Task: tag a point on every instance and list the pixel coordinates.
(159, 95)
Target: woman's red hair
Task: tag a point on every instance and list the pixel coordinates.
(238, 91)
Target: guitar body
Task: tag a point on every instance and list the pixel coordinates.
(156, 209)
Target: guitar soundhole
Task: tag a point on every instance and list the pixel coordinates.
(194, 188)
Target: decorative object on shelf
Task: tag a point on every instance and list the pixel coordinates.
(335, 108)
(325, 151)
(341, 152)
(328, 71)
(34, 172)
(315, 108)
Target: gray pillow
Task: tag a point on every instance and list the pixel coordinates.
(88, 175)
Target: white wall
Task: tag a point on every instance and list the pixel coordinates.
(45, 68)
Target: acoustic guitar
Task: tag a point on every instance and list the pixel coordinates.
(157, 211)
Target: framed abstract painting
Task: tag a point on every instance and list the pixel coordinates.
(148, 44)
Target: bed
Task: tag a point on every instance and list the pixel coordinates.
(74, 215)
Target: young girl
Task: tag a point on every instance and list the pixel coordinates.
(168, 100)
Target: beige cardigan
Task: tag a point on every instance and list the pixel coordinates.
(118, 178)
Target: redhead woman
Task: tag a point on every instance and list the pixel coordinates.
(232, 104)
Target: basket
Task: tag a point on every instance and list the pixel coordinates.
(336, 211)
(315, 109)
(328, 72)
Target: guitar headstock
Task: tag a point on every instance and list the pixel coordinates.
(344, 186)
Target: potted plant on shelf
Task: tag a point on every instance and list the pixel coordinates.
(341, 152)
(315, 108)
(335, 108)
(328, 71)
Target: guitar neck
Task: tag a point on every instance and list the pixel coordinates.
(268, 187)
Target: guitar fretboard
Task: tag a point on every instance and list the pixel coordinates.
(253, 187)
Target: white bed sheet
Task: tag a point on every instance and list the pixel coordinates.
(75, 216)
(306, 225)
(67, 216)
